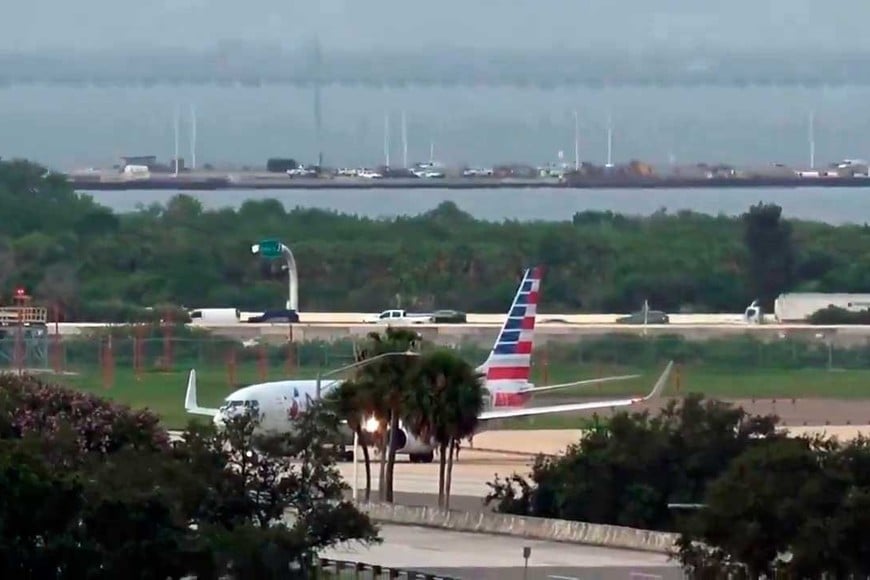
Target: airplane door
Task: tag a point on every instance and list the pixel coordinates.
(291, 408)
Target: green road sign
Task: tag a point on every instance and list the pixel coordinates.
(270, 248)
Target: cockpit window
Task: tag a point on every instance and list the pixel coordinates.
(232, 405)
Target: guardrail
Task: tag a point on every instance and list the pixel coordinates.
(360, 570)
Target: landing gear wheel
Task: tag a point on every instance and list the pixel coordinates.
(421, 457)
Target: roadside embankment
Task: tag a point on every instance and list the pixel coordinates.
(527, 527)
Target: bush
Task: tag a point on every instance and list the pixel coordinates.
(85, 423)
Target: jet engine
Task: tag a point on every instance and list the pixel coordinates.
(418, 450)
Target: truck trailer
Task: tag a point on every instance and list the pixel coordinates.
(798, 306)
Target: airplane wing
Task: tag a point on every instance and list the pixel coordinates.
(530, 411)
(579, 383)
(190, 404)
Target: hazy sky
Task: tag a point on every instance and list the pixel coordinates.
(350, 24)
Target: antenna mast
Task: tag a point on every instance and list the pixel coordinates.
(193, 136)
(177, 121)
(609, 139)
(812, 139)
(318, 111)
(576, 142)
(387, 140)
(404, 141)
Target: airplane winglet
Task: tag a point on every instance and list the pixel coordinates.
(660, 384)
(190, 403)
(190, 396)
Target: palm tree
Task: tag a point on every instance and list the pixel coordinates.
(352, 402)
(388, 379)
(445, 404)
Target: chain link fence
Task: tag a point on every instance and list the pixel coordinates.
(40, 352)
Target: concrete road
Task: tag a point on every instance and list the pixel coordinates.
(471, 556)
(495, 452)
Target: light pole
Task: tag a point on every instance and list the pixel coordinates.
(275, 249)
(351, 366)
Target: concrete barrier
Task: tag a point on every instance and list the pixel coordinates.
(526, 527)
(484, 334)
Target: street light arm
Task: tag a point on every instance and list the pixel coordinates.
(366, 361)
(361, 363)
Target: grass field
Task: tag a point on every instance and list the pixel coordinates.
(163, 392)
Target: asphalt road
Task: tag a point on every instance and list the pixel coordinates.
(484, 556)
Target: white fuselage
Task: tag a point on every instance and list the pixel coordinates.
(276, 403)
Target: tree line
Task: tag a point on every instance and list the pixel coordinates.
(68, 250)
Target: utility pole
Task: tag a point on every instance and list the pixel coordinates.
(576, 142)
(387, 140)
(177, 123)
(404, 142)
(192, 136)
(318, 114)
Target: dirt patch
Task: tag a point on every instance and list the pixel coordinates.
(802, 412)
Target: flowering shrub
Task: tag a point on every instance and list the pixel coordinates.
(30, 406)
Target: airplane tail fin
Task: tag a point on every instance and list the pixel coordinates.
(511, 357)
(190, 403)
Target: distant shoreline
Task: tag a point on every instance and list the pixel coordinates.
(279, 182)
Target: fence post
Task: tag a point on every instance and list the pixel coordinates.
(56, 360)
(138, 348)
(231, 367)
(291, 359)
(108, 364)
(262, 362)
(167, 342)
(546, 364)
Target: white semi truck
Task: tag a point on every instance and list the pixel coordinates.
(798, 306)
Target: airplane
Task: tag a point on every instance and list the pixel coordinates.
(507, 371)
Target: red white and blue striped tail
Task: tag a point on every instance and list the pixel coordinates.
(510, 361)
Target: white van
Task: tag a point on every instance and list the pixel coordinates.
(215, 316)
